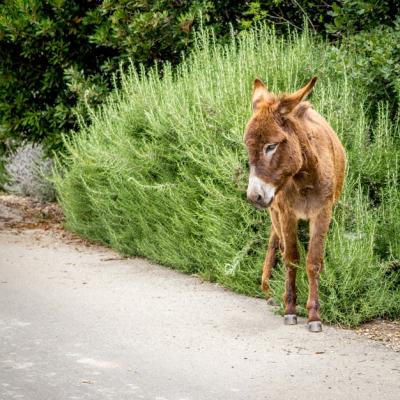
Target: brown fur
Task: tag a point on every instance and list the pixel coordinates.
(307, 170)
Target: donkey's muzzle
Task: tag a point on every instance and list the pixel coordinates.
(260, 193)
(259, 202)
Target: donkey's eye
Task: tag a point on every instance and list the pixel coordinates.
(270, 147)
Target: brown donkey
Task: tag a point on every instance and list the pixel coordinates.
(297, 167)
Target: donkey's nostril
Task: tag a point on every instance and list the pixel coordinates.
(259, 198)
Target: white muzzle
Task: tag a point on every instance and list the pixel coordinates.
(259, 192)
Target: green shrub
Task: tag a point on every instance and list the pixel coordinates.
(350, 16)
(38, 41)
(375, 55)
(331, 18)
(161, 172)
(57, 55)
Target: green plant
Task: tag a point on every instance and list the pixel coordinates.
(56, 56)
(377, 63)
(351, 16)
(161, 171)
(38, 40)
(332, 18)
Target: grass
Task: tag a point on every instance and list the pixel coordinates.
(161, 172)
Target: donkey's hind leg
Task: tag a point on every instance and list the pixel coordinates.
(319, 226)
(270, 259)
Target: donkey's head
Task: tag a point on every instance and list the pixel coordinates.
(273, 147)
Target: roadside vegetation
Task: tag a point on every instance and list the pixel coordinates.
(161, 171)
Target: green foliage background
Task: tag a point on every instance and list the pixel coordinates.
(56, 56)
(161, 172)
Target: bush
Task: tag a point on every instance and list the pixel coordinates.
(56, 55)
(351, 16)
(161, 172)
(29, 173)
(39, 40)
(333, 19)
(377, 66)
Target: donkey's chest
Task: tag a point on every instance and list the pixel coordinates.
(304, 203)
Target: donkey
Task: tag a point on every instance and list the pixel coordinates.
(297, 168)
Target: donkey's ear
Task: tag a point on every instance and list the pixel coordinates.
(260, 93)
(290, 101)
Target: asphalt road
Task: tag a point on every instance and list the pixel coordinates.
(76, 322)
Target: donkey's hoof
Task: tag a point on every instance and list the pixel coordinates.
(272, 302)
(265, 286)
(290, 319)
(315, 326)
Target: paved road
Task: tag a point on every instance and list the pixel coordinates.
(77, 323)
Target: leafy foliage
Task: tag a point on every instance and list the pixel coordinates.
(57, 56)
(331, 18)
(377, 65)
(351, 16)
(39, 40)
(161, 172)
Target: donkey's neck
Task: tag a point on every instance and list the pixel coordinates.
(308, 177)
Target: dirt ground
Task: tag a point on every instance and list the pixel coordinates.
(18, 214)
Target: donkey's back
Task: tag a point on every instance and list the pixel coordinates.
(326, 145)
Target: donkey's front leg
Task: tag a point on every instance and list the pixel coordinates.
(319, 226)
(291, 260)
(270, 259)
(273, 244)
